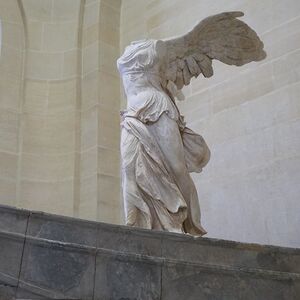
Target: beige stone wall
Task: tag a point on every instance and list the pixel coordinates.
(100, 105)
(11, 92)
(48, 131)
(250, 117)
(59, 104)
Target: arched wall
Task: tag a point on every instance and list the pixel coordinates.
(11, 95)
(50, 106)
(250, 117)
(59, 107)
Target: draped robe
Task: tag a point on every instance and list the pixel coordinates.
(158, 151)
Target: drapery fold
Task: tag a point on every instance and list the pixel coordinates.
(152, 196)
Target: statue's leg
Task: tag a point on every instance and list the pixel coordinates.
(169, 139)
(167, 135)
(136, 210)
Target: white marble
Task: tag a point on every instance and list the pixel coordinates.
(158, 150)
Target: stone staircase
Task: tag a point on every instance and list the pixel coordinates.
(45, 256)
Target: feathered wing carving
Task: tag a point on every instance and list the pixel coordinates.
(222, 37)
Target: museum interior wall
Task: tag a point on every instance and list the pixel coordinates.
(59, 114)
(11, 97)
(60, 102)
(249, 116)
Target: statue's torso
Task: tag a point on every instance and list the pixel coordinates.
(146, 99)
(149, 103)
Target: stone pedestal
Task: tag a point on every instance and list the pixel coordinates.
(53, 257)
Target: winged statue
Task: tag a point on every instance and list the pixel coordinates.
(158, 151)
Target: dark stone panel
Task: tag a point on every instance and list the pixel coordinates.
(56, 271)
(63, 229)
(7, 292)
(60, 255)
(13, 224)
(205, 253)
(13, 220)
(31, 295)
(296, 290)
(283, 260)
(123, 277)
(231, 254)
(183, 281)
(11, 249)
(128, 239)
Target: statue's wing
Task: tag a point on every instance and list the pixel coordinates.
(222, 37)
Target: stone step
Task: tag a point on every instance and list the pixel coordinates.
(153, 243)
(44, 256)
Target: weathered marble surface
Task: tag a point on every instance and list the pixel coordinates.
(52, 257)
(158, 151)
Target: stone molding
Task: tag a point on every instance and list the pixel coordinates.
(45, 256)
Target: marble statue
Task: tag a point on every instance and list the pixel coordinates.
(158, 151)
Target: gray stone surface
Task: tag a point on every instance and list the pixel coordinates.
(126, 240)
(45, 256)
(57, 270)
(13, 220)
(7, 292)
(127, 277)
(184, 281)
(13, 225)
(203, 250)
(63, 229)
(11, 249)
